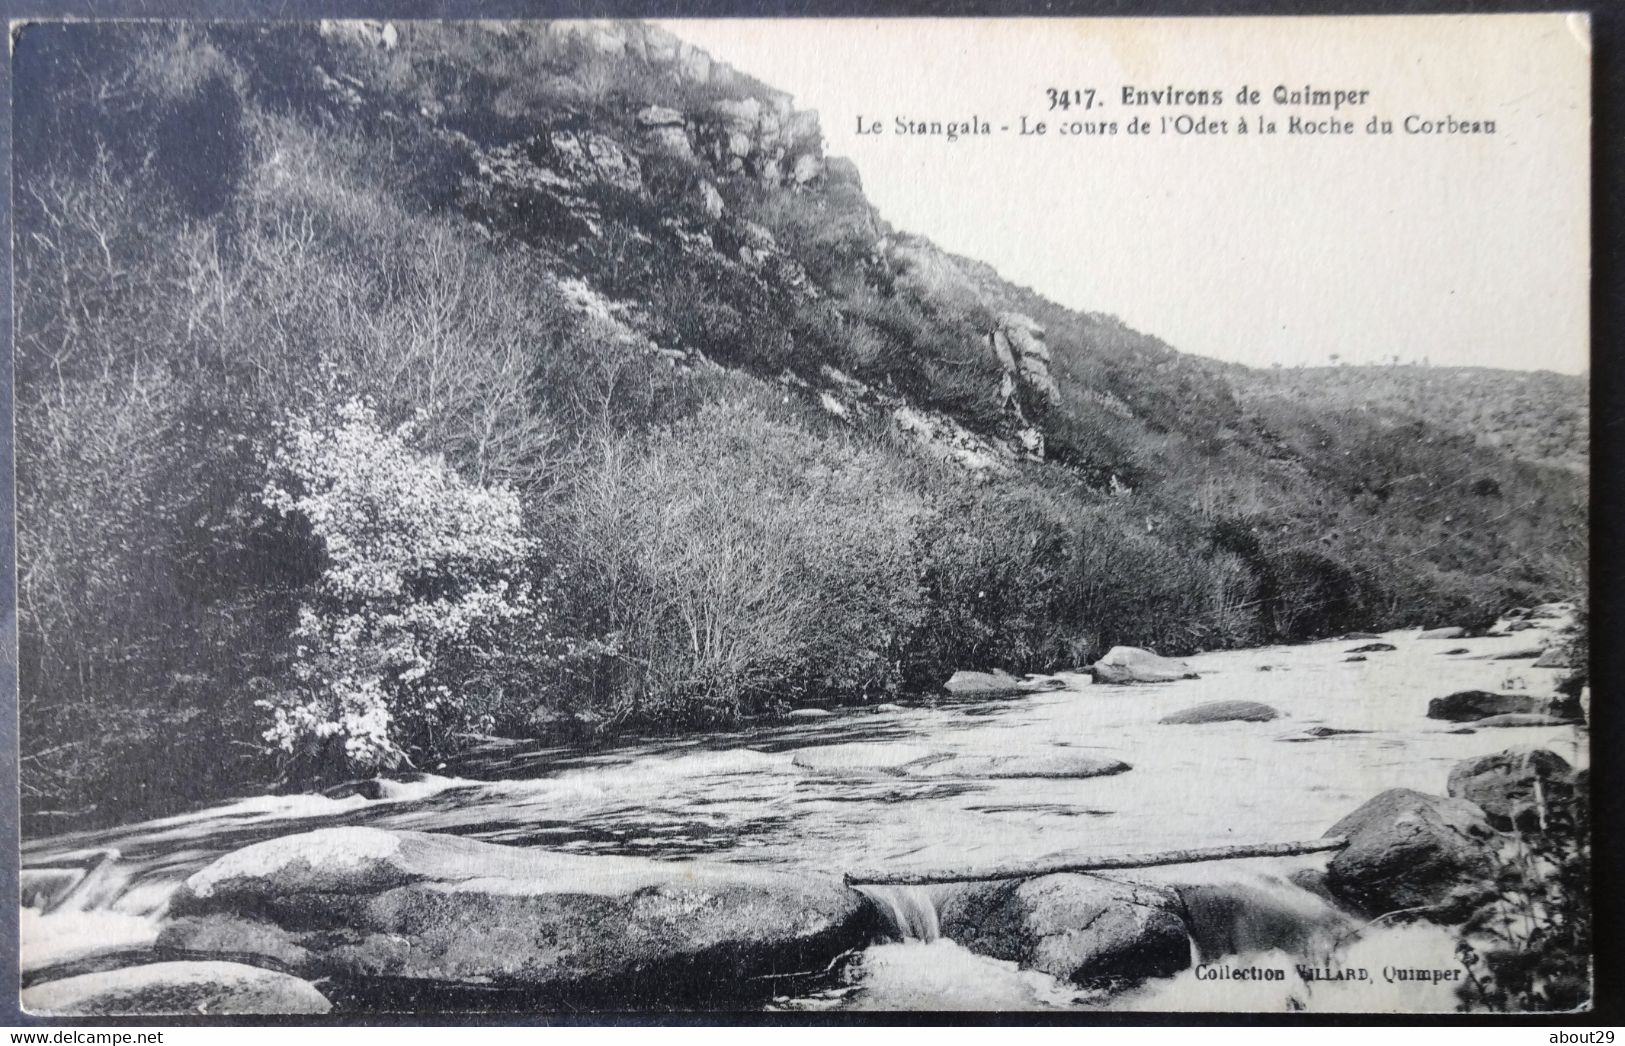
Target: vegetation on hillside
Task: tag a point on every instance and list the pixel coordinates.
(374, 395)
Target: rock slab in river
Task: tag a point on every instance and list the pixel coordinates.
(1078, 928)
(1523, 719)
(862, 758)
(1061, 764)
(1371, 648)
(1409, 850)
(398, 918)
(175, 988)
(1468, 706)
(1224, 712)
(1128, 664)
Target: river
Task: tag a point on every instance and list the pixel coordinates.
(742, 797)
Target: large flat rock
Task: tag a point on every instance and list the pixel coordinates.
(171, 988)
(397, 918)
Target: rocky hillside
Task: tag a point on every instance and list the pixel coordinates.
(660, 422)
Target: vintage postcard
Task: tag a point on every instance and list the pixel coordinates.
(803, 516)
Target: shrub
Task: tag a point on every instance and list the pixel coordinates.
(417, 613)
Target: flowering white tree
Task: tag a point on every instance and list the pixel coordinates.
(424, 578)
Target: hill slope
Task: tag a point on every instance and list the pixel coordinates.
(382, 386)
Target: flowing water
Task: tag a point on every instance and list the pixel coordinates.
(745, 797)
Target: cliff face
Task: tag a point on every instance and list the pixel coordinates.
(685, 165)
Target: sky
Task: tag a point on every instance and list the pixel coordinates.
(1283, 249)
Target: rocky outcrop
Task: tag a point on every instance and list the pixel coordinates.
(1083, 929)
(1514, 788)
(1018, 347)
(1223, 712)
(666, 131)
(946, 438)
(1467, 706)
(1128, 664)
(1411, 850)
(174, 988)
(394, 917)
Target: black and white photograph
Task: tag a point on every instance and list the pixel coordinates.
(802, 517)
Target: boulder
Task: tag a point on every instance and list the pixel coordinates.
(1556, 656)
(1522, 654)
(172, 988)
(1128, 664)
(1513, 719)
(1078, 928)
(1355, 657)
(1448, 632)
(1258, 912)
(1371, 648)
(808, 713)
(1513, 786)
(43, 887)
(1224, 712)
(1468, 706)
(1056, 764)
(394, 918)
(1455, 650)
(1411, 850)
(1349, 637)
(997, 681)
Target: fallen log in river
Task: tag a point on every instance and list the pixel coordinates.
(876, 877)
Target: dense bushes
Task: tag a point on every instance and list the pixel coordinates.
(738, 561)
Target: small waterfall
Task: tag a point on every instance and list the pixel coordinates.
(911, 910)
